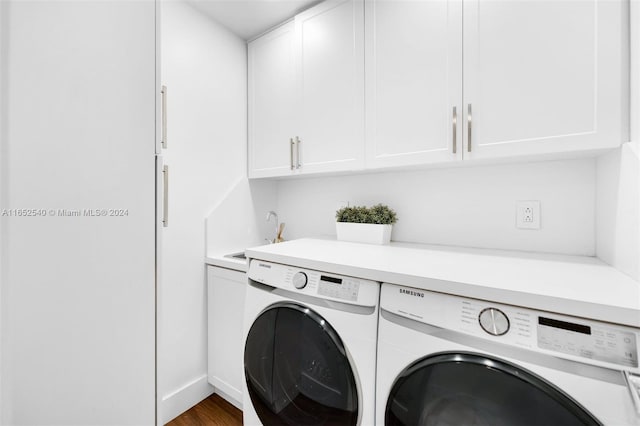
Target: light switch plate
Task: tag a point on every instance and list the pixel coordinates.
(528, 214)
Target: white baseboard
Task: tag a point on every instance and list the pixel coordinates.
(179, 401)
(230, 399)
(227, 392)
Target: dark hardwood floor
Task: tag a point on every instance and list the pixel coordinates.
(213, 411)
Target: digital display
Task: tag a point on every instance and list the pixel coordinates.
(578, 328)
(330, 279)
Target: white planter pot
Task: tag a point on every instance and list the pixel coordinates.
(363, 232)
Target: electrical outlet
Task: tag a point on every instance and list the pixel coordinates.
(528, 215)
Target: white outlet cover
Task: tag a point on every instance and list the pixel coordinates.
(528, 214)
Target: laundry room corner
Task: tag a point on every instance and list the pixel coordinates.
(618, 179)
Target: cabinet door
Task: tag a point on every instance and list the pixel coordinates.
(413, 81)
(78, 119)
(543, 76)
(226, 293)
(271, 102)
(330, 66)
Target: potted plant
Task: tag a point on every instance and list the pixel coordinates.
(365, 225)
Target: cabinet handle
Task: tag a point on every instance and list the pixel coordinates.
(164, 117)
(298, 165)
(291, 153)
(454, 128)
(165, 197)
(469, 122)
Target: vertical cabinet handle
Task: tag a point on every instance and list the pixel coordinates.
(454, 128)
(298, 165)
(164, 117)
(469, 122)
(292, 143)
(165, 197)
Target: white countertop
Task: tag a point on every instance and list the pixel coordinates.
(572, 285)
(219, 258)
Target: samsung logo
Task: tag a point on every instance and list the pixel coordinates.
(264, 265)
(411, 292)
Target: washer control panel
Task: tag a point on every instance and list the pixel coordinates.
(315, 283)
(339, 288)
(300, 280)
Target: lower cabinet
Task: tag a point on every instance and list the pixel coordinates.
(225, 299)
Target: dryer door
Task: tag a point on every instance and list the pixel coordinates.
(467, 388)
(297, 369)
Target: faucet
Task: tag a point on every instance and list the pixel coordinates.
(269, 216)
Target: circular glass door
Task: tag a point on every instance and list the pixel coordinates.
(297, 370)
(471, 389)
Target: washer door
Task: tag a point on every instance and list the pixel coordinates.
(297, 370)
(472, 389)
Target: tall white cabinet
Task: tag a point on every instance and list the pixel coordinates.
(78, 289)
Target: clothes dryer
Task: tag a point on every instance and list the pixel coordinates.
(449, 360)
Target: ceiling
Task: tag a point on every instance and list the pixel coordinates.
(249, 18)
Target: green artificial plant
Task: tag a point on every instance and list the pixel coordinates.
(379, 214)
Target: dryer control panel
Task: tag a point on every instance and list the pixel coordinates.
(576, 337)
(587, 340)
(594, 342)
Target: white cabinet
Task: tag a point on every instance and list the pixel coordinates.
(306, 93)
(225, 301)
(538, 78)
(272, 100)
(330, 82)
(544, 77)
(78, 117)
(445, 81)
(413, 81)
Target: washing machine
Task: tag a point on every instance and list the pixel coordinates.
(449, 360)
(310, 347)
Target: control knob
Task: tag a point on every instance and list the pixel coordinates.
(300, 280)
(494, 321)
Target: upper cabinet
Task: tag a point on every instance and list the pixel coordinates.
(272, 103)
(330, 55)
(413, 82)
(544, 77)
(306, 93)
(438, 81)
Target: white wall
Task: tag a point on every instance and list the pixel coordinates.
(618, 211)
(618, 195)
(204, 68)
(471, 206)
(238, 221)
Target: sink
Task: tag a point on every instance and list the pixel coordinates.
(239, 256)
